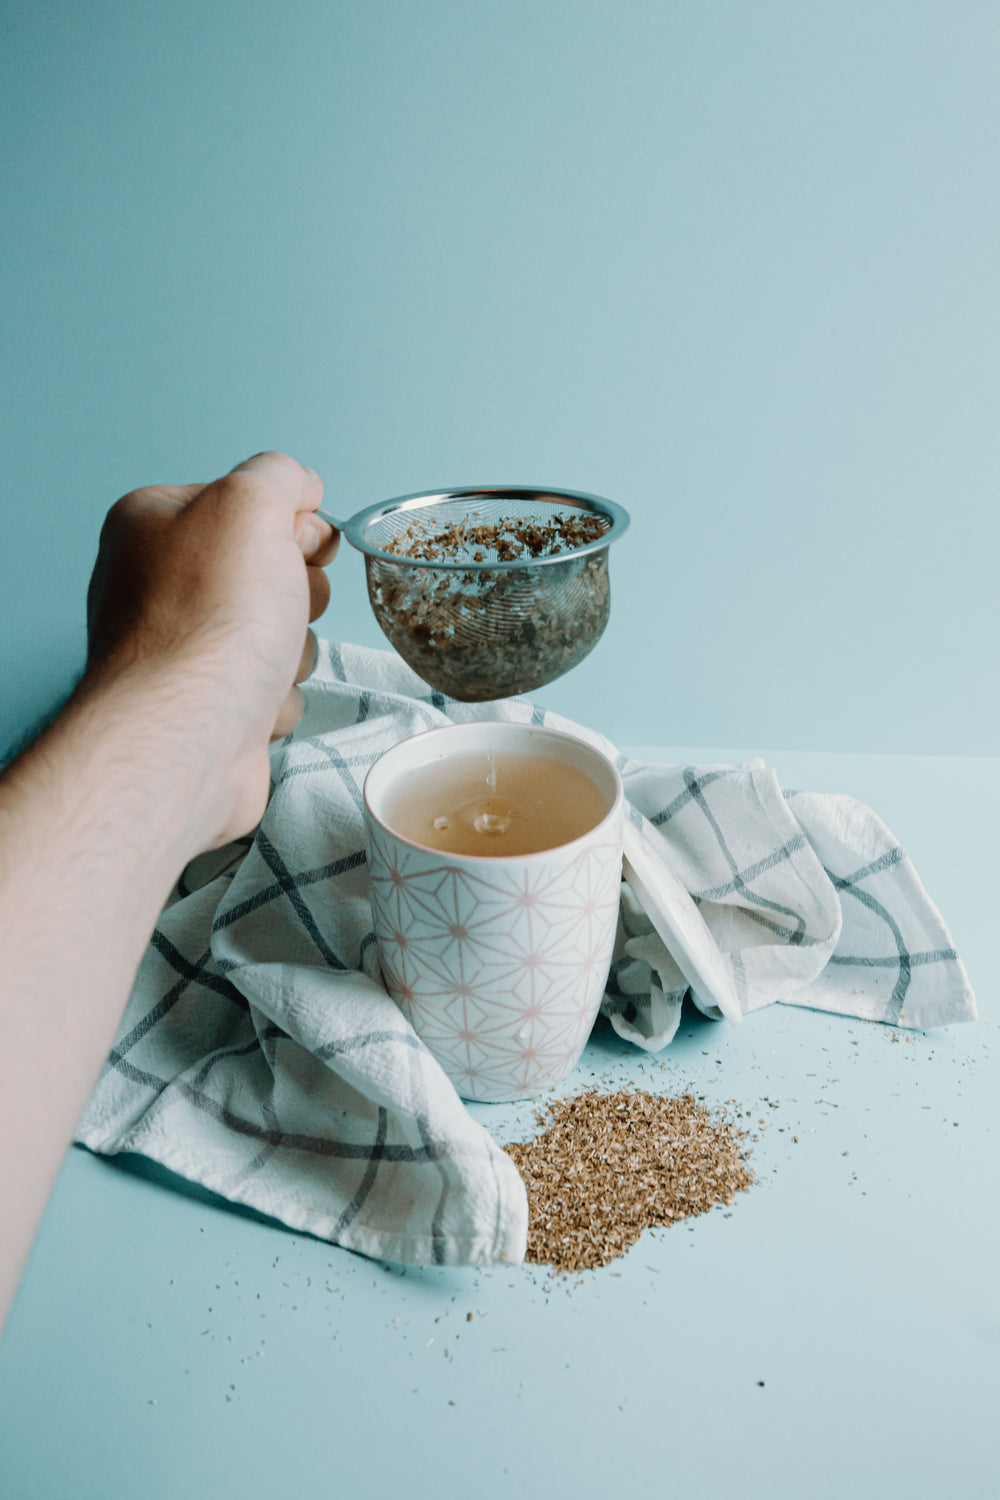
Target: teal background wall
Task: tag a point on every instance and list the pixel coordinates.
(732, 264)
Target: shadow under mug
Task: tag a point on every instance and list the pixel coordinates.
(499, 962)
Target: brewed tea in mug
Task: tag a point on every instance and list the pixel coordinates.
(495, 804)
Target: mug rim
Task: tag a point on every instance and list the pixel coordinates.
(494, 860)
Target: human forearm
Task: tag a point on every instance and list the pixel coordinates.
(97, 819)
(198, 613)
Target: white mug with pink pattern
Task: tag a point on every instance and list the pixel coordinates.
(499, 962)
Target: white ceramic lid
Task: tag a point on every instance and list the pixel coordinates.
(680, 925)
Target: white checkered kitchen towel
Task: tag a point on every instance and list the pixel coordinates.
(260, 1056)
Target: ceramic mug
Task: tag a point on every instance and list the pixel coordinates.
(499, 962)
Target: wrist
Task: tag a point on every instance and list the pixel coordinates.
(165, 741)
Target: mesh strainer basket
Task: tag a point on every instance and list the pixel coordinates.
(490, 591)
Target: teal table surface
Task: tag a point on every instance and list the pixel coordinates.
(835, 1332)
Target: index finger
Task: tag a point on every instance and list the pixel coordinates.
(284, 476)
(285, 481)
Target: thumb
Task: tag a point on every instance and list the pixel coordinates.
(317, 539)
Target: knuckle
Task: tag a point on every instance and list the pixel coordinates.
(128, 506)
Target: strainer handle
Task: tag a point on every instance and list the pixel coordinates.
(330, 521)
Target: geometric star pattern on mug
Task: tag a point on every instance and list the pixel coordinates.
(500, 970)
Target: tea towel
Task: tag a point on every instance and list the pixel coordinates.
(260, 1056)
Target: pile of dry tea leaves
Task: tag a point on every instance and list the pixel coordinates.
(501, 626)
(486, 634)
(509, 538)
(609, 1166)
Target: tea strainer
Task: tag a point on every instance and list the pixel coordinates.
(490, 591)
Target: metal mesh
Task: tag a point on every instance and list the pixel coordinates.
(482, 617)
(489, 634)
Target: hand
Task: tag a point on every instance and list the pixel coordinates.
(209, 589)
